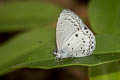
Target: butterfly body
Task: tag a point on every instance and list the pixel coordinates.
(73, 37)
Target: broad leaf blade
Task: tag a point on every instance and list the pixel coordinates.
(35, 49)
(110, 71)
(22, 15)
(107, 44)
(104, 16)
(100, 56)
(93, 60)
(19, 48)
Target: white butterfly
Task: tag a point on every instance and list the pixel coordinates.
(73, 37)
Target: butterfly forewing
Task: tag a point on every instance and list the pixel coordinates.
(66, 26)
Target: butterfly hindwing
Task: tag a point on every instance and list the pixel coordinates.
(73, 37)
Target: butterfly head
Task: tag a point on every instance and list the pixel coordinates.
(60, 54)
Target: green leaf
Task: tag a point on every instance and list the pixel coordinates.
(107, 44)
(104, 16)
(110, 71)
(22, 15)
(35, 49)
(107, 50)
(17, 49)
(48, 61)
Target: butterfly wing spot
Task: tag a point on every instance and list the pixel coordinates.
(88, 53)
(72, 48)
(83, 41)
(76, 54)
(71, 55)
(92, 42)
(83, 51)
(76, 35)
(72, 21)
(68, 44)
(78, 29)
(75, 24)
(65, 18)
(67, 12)
(81, 47)
(85, 28)
(90, 34)
(86, 31)
(68, 19)
(91, 47)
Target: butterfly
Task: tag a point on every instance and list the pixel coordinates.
(73, 37)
